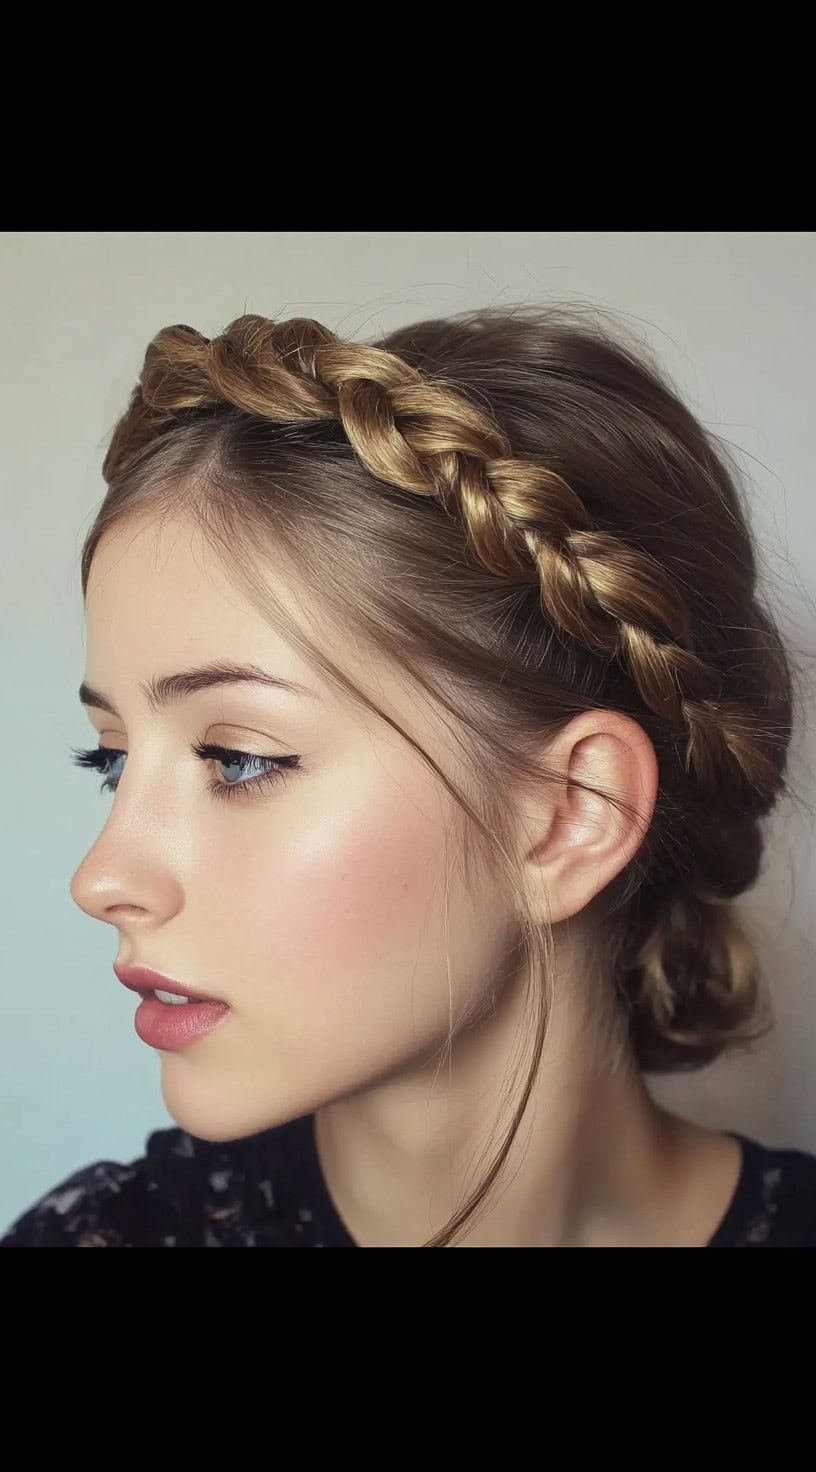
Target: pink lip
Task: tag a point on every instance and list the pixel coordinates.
(144, 979)
(162, 1025)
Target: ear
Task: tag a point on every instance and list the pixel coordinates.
(581, 841)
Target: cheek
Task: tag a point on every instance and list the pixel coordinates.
(348, 945)
(325, 899)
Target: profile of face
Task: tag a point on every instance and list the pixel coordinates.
(321, 904)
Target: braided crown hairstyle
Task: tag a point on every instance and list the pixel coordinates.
(517, 509)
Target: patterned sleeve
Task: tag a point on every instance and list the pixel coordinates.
(98, 1206)
(183, 1192)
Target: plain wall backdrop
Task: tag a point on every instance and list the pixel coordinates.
(732, 318)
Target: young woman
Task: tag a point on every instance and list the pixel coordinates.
(442, 713)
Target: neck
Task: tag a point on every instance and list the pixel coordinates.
(596, 1162)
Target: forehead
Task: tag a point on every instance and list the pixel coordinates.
(160, 599)
(146, 557)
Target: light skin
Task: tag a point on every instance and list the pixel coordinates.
(324, 909)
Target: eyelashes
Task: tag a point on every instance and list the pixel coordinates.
(273, 769)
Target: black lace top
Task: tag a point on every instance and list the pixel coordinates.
(268, 1191)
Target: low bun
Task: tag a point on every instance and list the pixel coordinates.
(690, 980)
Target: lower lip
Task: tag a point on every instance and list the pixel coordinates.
(163, 1025)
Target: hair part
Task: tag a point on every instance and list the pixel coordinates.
(523, 519)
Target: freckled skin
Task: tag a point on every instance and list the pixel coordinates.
(315, 908)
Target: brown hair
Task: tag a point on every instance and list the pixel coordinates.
(518, 512)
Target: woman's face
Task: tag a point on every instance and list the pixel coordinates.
(314, 905)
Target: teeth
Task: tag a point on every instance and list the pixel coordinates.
(171, 998)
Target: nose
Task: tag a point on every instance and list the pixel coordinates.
(123, 881)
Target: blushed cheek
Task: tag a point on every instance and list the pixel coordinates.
(340, 905)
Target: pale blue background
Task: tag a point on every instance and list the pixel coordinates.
(733, 318)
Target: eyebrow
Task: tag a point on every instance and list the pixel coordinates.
(164, 690)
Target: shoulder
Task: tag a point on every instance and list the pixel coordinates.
(182, 1192)
(775, 1203)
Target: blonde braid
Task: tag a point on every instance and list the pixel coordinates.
(521, 519)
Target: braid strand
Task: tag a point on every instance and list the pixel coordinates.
(521, 519)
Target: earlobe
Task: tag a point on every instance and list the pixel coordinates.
(586, 838)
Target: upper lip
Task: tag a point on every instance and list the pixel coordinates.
(144, 979)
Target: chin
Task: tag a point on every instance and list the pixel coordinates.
(208, 1113)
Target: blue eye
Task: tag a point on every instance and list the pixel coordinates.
(267, 769)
